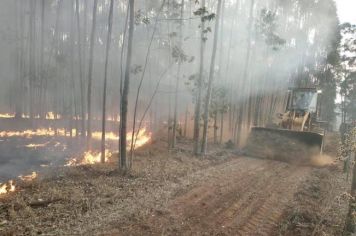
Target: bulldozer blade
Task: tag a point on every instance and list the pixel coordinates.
(283, 145)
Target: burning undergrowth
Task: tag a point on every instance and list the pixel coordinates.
(40, 149)
(88, 199)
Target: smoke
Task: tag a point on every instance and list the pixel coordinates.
(322, 160)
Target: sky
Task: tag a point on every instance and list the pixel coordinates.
(347, 10)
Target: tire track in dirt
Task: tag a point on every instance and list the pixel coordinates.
(247, 197)
(269, 209)
(244, 197)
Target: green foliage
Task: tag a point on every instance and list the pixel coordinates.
(205, 16)
(179, 55)
(267, 27)
(348, 145)
(136, 69)
(141, 18)
(348, 83)
(219, 100)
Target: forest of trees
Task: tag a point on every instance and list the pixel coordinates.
(205, 69)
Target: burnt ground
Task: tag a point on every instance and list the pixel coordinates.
(174, 193)
(16, 158)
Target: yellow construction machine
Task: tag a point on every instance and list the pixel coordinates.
(296, 136)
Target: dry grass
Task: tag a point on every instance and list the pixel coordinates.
(93, 199)
(320, 206)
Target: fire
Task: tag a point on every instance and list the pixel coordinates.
(8, 187)
(52, 116)
(32, 145)
(6, 115)
(28, 178)
(116, 119)
(49, 116)
(108, 136)
(142, 138)
(90, 158)
(31, 133)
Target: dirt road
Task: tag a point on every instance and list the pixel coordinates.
(244, 196)
(174, 193)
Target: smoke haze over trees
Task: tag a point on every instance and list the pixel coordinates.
(52, 56)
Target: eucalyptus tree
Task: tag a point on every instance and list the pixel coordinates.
(90, 75)
(211, 79)
(180, 57)
(126, 87)
(80, 67)
(103, 118)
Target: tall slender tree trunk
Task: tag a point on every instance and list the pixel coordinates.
(41, 102)
(90, 74)
(216, 127)
(19, 55)
(175, 118)
(125, 92)
(108, 43)
(74, 113)
(81, 76)
(245, 86)
(197, 112)
(211, 80)
(185, 122)
(32, 46)
(221, 127)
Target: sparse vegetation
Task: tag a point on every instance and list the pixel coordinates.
(177, 117)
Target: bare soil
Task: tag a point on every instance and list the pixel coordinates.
(174, 193)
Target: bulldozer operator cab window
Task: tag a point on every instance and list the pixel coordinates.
(304, 101)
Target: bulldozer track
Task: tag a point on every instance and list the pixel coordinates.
(268, 211)
(242, 197)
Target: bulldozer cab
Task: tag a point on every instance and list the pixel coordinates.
(303, 99)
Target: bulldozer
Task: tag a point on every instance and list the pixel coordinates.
(296, 136)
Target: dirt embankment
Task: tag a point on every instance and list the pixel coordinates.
(173, 193)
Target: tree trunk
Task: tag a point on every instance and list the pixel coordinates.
(103, 119)
(20, 58)
(81, 77)
(221, 127)
(125, 92)
(32, 75)
(350, 222)
(175, 118)
(90, 74)
(245, 85)
(197, 111)
(216, 127)
(42, 107)
(72, 42)
(211, 80)
(186, 122)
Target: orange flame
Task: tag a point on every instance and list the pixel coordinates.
(31, 133)
(32, 145)
(142, 138)
(6, 188)
(6, 115)
(90, 158)
(52, 116)
(28, 178)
